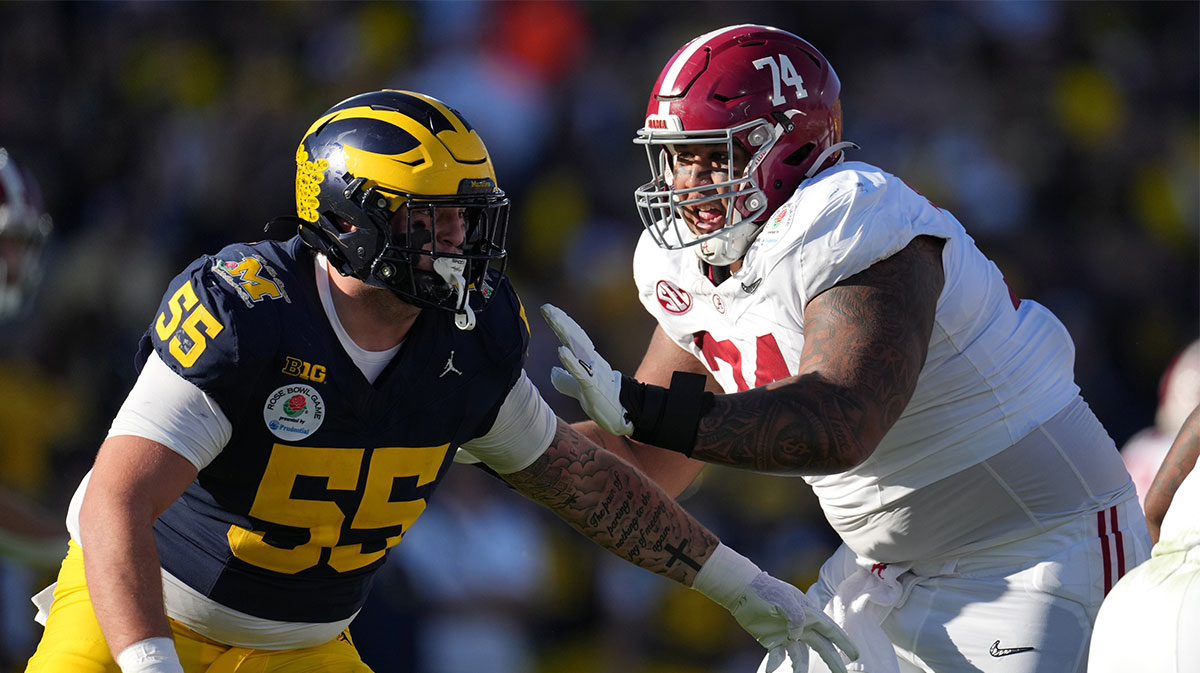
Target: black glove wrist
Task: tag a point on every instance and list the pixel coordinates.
(666, 417)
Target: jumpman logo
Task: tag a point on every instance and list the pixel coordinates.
(449, 369)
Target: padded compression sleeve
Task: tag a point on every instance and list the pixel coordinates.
(667, 417)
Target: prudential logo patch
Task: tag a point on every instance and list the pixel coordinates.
(294, 412)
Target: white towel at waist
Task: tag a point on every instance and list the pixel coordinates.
(864, 599)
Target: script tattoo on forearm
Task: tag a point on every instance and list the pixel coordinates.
(865, 342)
(615, 505)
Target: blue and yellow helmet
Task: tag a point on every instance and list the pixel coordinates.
(371, 159)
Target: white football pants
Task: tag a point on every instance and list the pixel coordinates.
(1022, 607)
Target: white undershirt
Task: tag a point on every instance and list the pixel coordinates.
(370, 362)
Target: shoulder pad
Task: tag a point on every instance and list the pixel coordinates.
(220, 313)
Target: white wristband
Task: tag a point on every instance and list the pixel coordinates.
(725, 576)
(152, 655)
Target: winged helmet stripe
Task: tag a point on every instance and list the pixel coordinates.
(664, 107)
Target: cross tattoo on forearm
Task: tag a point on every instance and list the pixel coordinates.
(679, 554)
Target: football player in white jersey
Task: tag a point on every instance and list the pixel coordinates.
(1157, 605)
(863, 342)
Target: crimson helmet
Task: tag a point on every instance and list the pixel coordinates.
(759, 87)
(24, 228)
(372, 154)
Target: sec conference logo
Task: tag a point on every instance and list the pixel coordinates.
(294, 412)
(672, 297)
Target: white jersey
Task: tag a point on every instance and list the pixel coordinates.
(1181, 523)
(1157, 605)
(996, 369)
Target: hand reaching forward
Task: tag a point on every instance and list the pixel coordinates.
(779, 616)
(587, 377)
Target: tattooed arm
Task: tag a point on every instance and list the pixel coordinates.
(865, 341)
(621, 509)
(616, 506)
(671, 470)
(1178, 463)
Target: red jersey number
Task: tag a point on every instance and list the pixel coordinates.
(769, 363)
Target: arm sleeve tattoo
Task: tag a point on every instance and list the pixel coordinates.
(865, 343)
(615, 505)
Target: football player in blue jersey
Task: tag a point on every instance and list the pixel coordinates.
(298, 402)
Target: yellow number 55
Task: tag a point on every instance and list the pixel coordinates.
(339, 469)
(185, 305)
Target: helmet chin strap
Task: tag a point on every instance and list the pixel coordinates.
(451, 270)
(729, 244)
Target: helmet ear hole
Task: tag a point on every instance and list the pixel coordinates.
(796, 158)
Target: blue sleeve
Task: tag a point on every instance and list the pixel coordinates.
(208, 332)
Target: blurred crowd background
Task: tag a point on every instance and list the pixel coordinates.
(1064, 135)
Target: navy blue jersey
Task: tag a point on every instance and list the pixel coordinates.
(324, 471)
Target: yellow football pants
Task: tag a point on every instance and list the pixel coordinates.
(73, 643)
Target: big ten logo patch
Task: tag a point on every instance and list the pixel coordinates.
(304, 370)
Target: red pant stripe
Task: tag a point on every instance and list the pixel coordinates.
(1120, 545)
(1104, 550)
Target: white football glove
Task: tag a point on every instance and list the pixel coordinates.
(587, 377)
(779, 616)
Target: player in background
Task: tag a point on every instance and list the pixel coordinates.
(299, 401)
(24, 229)
(1156, 607)
(31, 539)
(1178, 394)
(865, 344)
